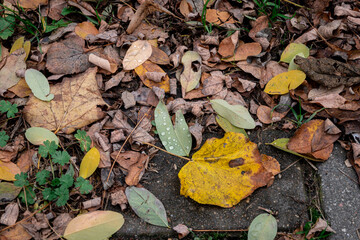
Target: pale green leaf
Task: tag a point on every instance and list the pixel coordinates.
(228, 127)
(292, 50)
(38, 84)
(38, 135)
(97, 225)
(176, 141)
(263, 227)
(147, 206)
(293, 65)
(237, 115)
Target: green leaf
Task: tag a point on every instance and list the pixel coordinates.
(30, 195)
(42, 176)
(66, 180)
(84, 140)
(228, 127)
(47, 148)
(147, 206)
(3, 138)
(84, 185)
(177, 141)
(237, 115)
(8, 192)
(63, 194)
(21, 180)
(55, 25)
(10, 109)
(61, 157)
(37, 135)
(263, 227)
(292, 50)
(7, 27)
(49, 194)
(293, 65)
(38, 84)
(55, 182)
(281, 144)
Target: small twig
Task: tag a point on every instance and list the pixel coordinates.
(311, 165)
(28, 217)
(24, 189)
(220, 230)
(47, 221)
(295, 4)
(128, 137)
(152, 145)
(292, 164)
(357, 182)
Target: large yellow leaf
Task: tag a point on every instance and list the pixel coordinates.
(8, 170)
(283, 82)
(75, 104)
(225, 171)
(89, 163)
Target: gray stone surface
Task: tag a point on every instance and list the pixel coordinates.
(341, 196)
(286, 196)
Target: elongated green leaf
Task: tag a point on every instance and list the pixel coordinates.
(38, 135)
(237, 115)
(94, 225)
(38, 84)
(177, 141)
(292, 50)
(228, 127)
(263, 227)
(8, 192)
(147, 206)
(281, 144)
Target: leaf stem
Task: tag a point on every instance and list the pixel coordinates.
(152, 145)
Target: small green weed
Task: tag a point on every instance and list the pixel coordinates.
(208, 28)
(314, 216)
(10, 110)
(84, 140)
(270, 9)
(54, 185)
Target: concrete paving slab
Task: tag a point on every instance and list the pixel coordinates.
(286, 196)
(340, 196)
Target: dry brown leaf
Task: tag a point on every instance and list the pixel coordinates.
(124, 13)
(55, 9)
(218, 17)
(11, 214)
(345, 10)
(31, 4)
(25, 160)
(323, 91)
(103, 63)
(150, 31)
(182, 230)
(245, 50)
(120, 198)
(115, 80)
(17, 232)
(329, 30)
(158, 56)
(128, 99)
(137, 54)
(156, 76)
(185, 8)
(21, 89)
(261, 23)
(320, 225)
(74, 105)
(8, 170)
(266, 116)
(85, 28)
(228, 45)
(333, 100)
(213, 84)
(152, 67)
(197, 130)
(307, 37)
(67, 57)
(14, 63)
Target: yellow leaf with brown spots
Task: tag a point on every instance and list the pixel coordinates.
(225, 171)
(152, 67)
(75, 104)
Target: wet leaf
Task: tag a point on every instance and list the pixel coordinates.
(94, 225)
(292, 50)
(148, 67)
(263, 227)
(38, 84)
(137, 54)
(38, 135)
(85, 28)
(89, 163)
(225, 171)
(190, 78)
(147, 206)
(8, 170)
(228, 127)
(283, 82)
(237, 115)
(75, 105)
(176, 140)
(8, 192)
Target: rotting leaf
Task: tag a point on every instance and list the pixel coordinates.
(225, 171)
(89, 163)
(292, 50)
(38, 84)
(263, 227)
(137, 54)
(237, 115)
(283, 82)
(176, 140)
(228, 127)
(152, 67)
(94, 225)
(190, 78)
(147, 206)
(8, 192)
(38, 135)
(74, 105)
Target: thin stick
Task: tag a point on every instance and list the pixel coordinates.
(166, 151)
(346, 175)
(220, 230)
(312, 165)
(23, 220)
(112, 166)
(295, 4)
(290, 165)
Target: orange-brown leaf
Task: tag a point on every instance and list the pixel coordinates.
(152, 67)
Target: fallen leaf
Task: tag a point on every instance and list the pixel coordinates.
(8, 170)
(158, 56)
(267, 116)
(74, 105)
(103, 63)
(320, 225)
(94, 225)
(228, 45)
(38, 84)
(330, 29)
(147, 206)
(31, 4)
(191, 74)
(152, 67)
(292, 50)
(17, 232)
(128, 99)
(89, 163)
(55, 9)
(67, 57)
(10, 215)
(177, 139)
(185, 8)
(21, 89)
(38, 135)
(60, 223)
(234, 160)
(197, 130)
(181, 230)
(85, 28)
(218, 17)
(260, 23)
(228, 127)
(263, 227)
(245, 50)
(137, 54)
(14, 63)
(333, 100)
(237, 115)
(119, 198)
(25, 160)
(282, 83)
(8, 192)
